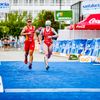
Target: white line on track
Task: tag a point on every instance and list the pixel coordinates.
(1, 85)
(18, 90)
(96, 64)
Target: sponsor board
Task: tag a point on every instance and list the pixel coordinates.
(62, 15)
(4, 6)
(90, 7)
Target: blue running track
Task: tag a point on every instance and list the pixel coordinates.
(61, 75)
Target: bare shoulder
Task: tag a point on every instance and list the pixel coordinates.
(52, 28)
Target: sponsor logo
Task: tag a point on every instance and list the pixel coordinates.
(85, 59)
(98, 59)
(94, 21)
(4, 5)
(60, 14)
(89, 6)
(80, 26)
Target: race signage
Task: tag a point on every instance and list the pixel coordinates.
(85, 59)
(4, 6)
(62, 15)
(90, 7)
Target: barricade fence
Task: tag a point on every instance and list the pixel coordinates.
(85, 43)
(90, 47)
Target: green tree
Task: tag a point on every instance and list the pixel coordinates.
(44, 15)
(15, 22)
(5, 31)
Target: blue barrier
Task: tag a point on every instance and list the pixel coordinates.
(73, 47)
(66, 47)
(78, 46)
(98, 41)
(81, 46)
(96, 51)
(89, 47)
(56, 46)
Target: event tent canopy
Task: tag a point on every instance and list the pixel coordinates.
(92, 22)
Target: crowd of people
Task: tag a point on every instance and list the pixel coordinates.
(11, 42)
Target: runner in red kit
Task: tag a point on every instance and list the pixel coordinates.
(48, 32)
(29, 44)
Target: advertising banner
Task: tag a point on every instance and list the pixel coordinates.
(62, 15)
(90, 7)
(89, 48)
(4, 6)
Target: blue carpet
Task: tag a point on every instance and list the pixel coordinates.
(15, 74)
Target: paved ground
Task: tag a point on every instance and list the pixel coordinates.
(18, 55)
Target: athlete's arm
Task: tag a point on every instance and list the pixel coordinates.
(55, 33)
(40, 35)
(23, 31)
(41, 32)
(35, 35)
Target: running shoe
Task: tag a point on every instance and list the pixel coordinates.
(30, 66)
(47, 67)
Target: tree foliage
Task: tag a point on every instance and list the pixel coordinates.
(44, 15)
(14, 23)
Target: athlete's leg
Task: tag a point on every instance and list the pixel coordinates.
(46, 53)
(30, 58)
(32, 46)
(50, 51)
(26, 55)
(46, 56)
(26, 48)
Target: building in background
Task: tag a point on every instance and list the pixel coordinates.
(77, 13)
(33, 7)
(83, 8)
